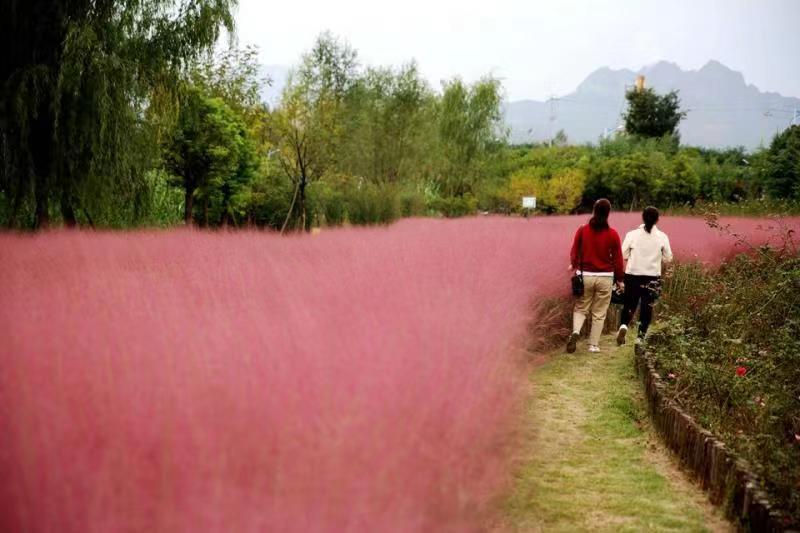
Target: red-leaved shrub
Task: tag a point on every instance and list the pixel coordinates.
(362, 379)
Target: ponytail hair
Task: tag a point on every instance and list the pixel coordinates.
(650, 217)
(599, 220)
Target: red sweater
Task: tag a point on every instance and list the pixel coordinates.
(602, 251)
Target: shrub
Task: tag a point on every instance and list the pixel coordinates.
(526, 182)
(454, 206)
(328, 203)
(412, 203)
(372, 204)
(270, 200)
(681, 182)
(746, 208)
(564, 190)
(730, 346)
(494, 199)
(342, 198)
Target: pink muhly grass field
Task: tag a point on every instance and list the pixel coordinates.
(363, 379)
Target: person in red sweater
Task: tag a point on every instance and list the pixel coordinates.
(596, 255)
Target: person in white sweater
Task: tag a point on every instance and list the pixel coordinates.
(646, 248)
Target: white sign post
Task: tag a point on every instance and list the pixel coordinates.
(528, 204)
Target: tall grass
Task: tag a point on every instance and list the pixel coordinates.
(362, 379)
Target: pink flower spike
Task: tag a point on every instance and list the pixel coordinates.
(191, 379)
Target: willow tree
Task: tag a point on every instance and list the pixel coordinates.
(77, 80)
(389, 128)
(469, 126)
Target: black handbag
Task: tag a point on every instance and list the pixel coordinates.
(577, 279)
(577, 285)
(617, 296)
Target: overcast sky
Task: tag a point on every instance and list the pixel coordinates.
(536, 47)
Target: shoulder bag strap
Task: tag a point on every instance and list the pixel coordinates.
(580, 250)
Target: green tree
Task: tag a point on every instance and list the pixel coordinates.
(637, 178)
(600, 180)
(307, 129)
(469, 127)
(681, 182)
(564, 190)
(231, 193)
(233, 75)
(77, 80)
(389, 132)
(525, 182)
(782, 165)
(209, 153)
(652, 115)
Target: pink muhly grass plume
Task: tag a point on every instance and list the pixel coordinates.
(362, 379)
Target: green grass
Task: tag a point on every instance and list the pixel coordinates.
(592, 461)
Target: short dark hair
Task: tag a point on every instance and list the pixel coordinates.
(600, 211)
(650, 217)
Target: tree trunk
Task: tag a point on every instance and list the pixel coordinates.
(12, 220)
(68, 211)
(188, 206)
(292, 209)
(41, 138)
(42, 213)
(226, 204)
(301, 204)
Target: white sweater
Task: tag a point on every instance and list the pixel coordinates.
(646, 251)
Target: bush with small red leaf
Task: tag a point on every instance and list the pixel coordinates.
(738, 354)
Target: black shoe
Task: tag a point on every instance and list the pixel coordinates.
(621, 335)
(572, 343)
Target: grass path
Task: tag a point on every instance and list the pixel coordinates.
(593, 462)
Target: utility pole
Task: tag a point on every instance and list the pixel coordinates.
(552, 116)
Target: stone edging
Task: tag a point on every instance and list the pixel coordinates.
(727, 479)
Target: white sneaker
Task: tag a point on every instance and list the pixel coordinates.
(594, 349)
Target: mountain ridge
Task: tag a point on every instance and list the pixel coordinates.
(723, 110)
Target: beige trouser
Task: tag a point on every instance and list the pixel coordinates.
(595, 299)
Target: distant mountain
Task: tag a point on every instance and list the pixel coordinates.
(723, 110)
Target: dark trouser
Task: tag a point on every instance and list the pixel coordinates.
(638, 289)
